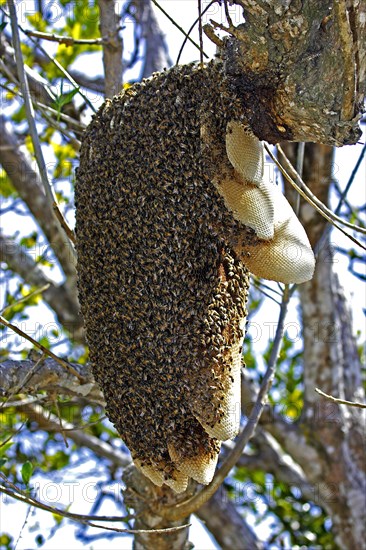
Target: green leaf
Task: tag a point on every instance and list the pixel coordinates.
(63, 99)
(5, 447)
(6, 187)
(3, 25)
(5, 541)
(2, 462)
(26, 471)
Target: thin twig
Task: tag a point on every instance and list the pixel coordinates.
(18, 430)
(23, 81)
(200, 34)
(23, 497)
(69, 232)
(54, 61)
(178, 26)
(266, 294)
(65, 118)
(228, 18)
(62, 431)
(75, 428)
(341, 401)
(46, 351)
(191, 505)
(342, 197)
(25, 298)
(350, 181)
(67, 40)
(191, 29)
(72, 140)
(299, 169)
(309, 196)
(34, 502)
(259, 283)
(308, 199)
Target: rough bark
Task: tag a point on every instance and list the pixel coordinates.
(31, 377)
(300, 67)
(141, 495)
(112, 49)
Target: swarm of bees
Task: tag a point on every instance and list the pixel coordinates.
(162, 264)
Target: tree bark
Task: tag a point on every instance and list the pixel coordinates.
(156, 52)
(112, 49)
(300, 68)
(226, 524)
(141, 494)
(33, 376)
(334, 432)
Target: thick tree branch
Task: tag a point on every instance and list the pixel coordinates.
(300, 68)
(49, 376)
(58, 297)
(27, 182)
(156, 56)
(112, 49)
(333, 457)
(289, 436)
(225, 523)
(271, 458)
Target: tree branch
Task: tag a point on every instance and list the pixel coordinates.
(112, 49)
(225, 523)
(29, 186)
(22, 77)
(58, 297)
(271, 458)
(333, 457)
(156, 52)
(300, 69)
(38, 87)
(49, 376)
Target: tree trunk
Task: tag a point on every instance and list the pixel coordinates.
(331, 363)
(141, 495)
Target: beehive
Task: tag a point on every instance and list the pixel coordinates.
(162, 283)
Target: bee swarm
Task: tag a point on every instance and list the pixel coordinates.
(162, 290)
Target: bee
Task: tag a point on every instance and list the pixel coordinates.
(161, 289)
